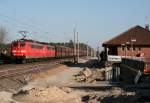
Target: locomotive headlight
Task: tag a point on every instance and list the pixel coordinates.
(14, 51)
(23, 51)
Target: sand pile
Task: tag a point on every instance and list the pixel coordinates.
(49, 95)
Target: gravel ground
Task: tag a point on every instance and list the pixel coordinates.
(52, 87)
(11, 85)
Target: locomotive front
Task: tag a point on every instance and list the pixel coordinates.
(18, 50)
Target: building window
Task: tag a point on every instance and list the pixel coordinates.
(134, 49)
(128, 48)
(122, 48)
(139, 49)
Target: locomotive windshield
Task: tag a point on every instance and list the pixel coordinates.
(22, 44)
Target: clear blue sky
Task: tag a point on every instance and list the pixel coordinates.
(95, 20)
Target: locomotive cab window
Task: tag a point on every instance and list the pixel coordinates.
(22, 44)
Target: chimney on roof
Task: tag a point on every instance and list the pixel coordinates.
(147, 27)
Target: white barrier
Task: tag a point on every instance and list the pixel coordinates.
(114, 58)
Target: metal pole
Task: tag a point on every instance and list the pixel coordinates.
(91, 52)
(126, 52)
(131, 49)
(87, 50)
(77, 46)
(74, 44)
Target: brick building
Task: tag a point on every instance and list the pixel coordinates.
(133, 42)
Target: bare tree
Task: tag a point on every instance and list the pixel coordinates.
(3, 33)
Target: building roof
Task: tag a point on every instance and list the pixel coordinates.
(138, 33)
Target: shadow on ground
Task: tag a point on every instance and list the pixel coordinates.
(91, 63)
(109, 99)
(119, 99)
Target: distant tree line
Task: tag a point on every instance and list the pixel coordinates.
(70, 44)
(4, 48)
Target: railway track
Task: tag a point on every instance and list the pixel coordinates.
(23, 70)
(18, 69)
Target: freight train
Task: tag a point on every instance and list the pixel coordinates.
(25, 50)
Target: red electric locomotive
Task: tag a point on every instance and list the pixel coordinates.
(26, 50)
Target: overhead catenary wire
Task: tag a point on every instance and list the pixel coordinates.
(22, 23)
(17, 21)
